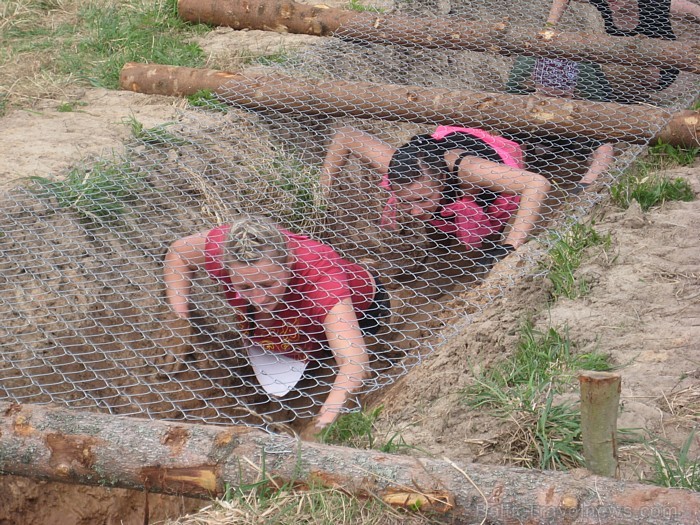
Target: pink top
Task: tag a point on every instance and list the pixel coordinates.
(465, 218)
(320, 280)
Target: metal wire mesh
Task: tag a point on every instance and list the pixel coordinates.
(85, 319)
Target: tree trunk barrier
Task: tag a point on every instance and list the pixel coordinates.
(600, 399)
(495, 37)
(53, 444)
(492, 111)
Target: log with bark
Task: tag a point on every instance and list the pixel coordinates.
(199, 460)
(495, 37)
(491, 111)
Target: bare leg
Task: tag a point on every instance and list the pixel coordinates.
(529, 211)
(600, 161)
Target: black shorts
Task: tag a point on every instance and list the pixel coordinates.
(371, 318)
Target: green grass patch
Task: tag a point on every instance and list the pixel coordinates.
(68, 107)
(524, 388)
(208, 100)
(643, 183)
(91, 41)
(157, 136)
(679, 469)
(314, 505)
(107, 36)
(278, 502)
(300, 183)
(357, 5)
(101, 194)
(662, 155)
(566, 256)
(272, 59)
(356, 430)
(649, 190)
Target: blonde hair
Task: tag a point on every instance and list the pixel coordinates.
(251, 239)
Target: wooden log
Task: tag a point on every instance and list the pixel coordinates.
(682, 130)
(600, 400)
(491, 111)
(199, 460)
(495, 37)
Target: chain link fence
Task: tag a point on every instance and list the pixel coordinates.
(430, 216)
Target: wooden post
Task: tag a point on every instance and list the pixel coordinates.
(600, 398)
(635, 124)
(91, 448)
(490, 36)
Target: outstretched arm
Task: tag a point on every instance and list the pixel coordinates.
(182, 259)
(347, 344)
(347, 141)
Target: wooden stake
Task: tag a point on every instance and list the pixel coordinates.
(600, 398)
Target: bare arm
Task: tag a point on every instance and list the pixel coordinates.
(685, 7)
(500, 178)
(349, 141)
(182, 259)
(348, 347)
(556, 12)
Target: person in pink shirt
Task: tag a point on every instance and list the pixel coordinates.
(293, 296)
(465, 182)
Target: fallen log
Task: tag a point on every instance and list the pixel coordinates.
(495, 37)
(199, 460)
(491, 111)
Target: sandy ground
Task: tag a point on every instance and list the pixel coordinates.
(642, 310)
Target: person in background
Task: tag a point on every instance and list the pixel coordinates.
(586, 80)
(293, 296)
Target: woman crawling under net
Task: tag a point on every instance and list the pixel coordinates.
(293, 296)
(465, 182)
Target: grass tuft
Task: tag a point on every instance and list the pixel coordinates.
(663, 156)
(68, 107)
(524, 389)
(271, 59)
(356, 430)
(642, 182)
(312, 505)
(650, 190)
(357, 5)
(91, 41)
(206, 99)
(101, 194)
(273, 501)
(157, 136)
(677, 470)
(566, 256)
(299, 182)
